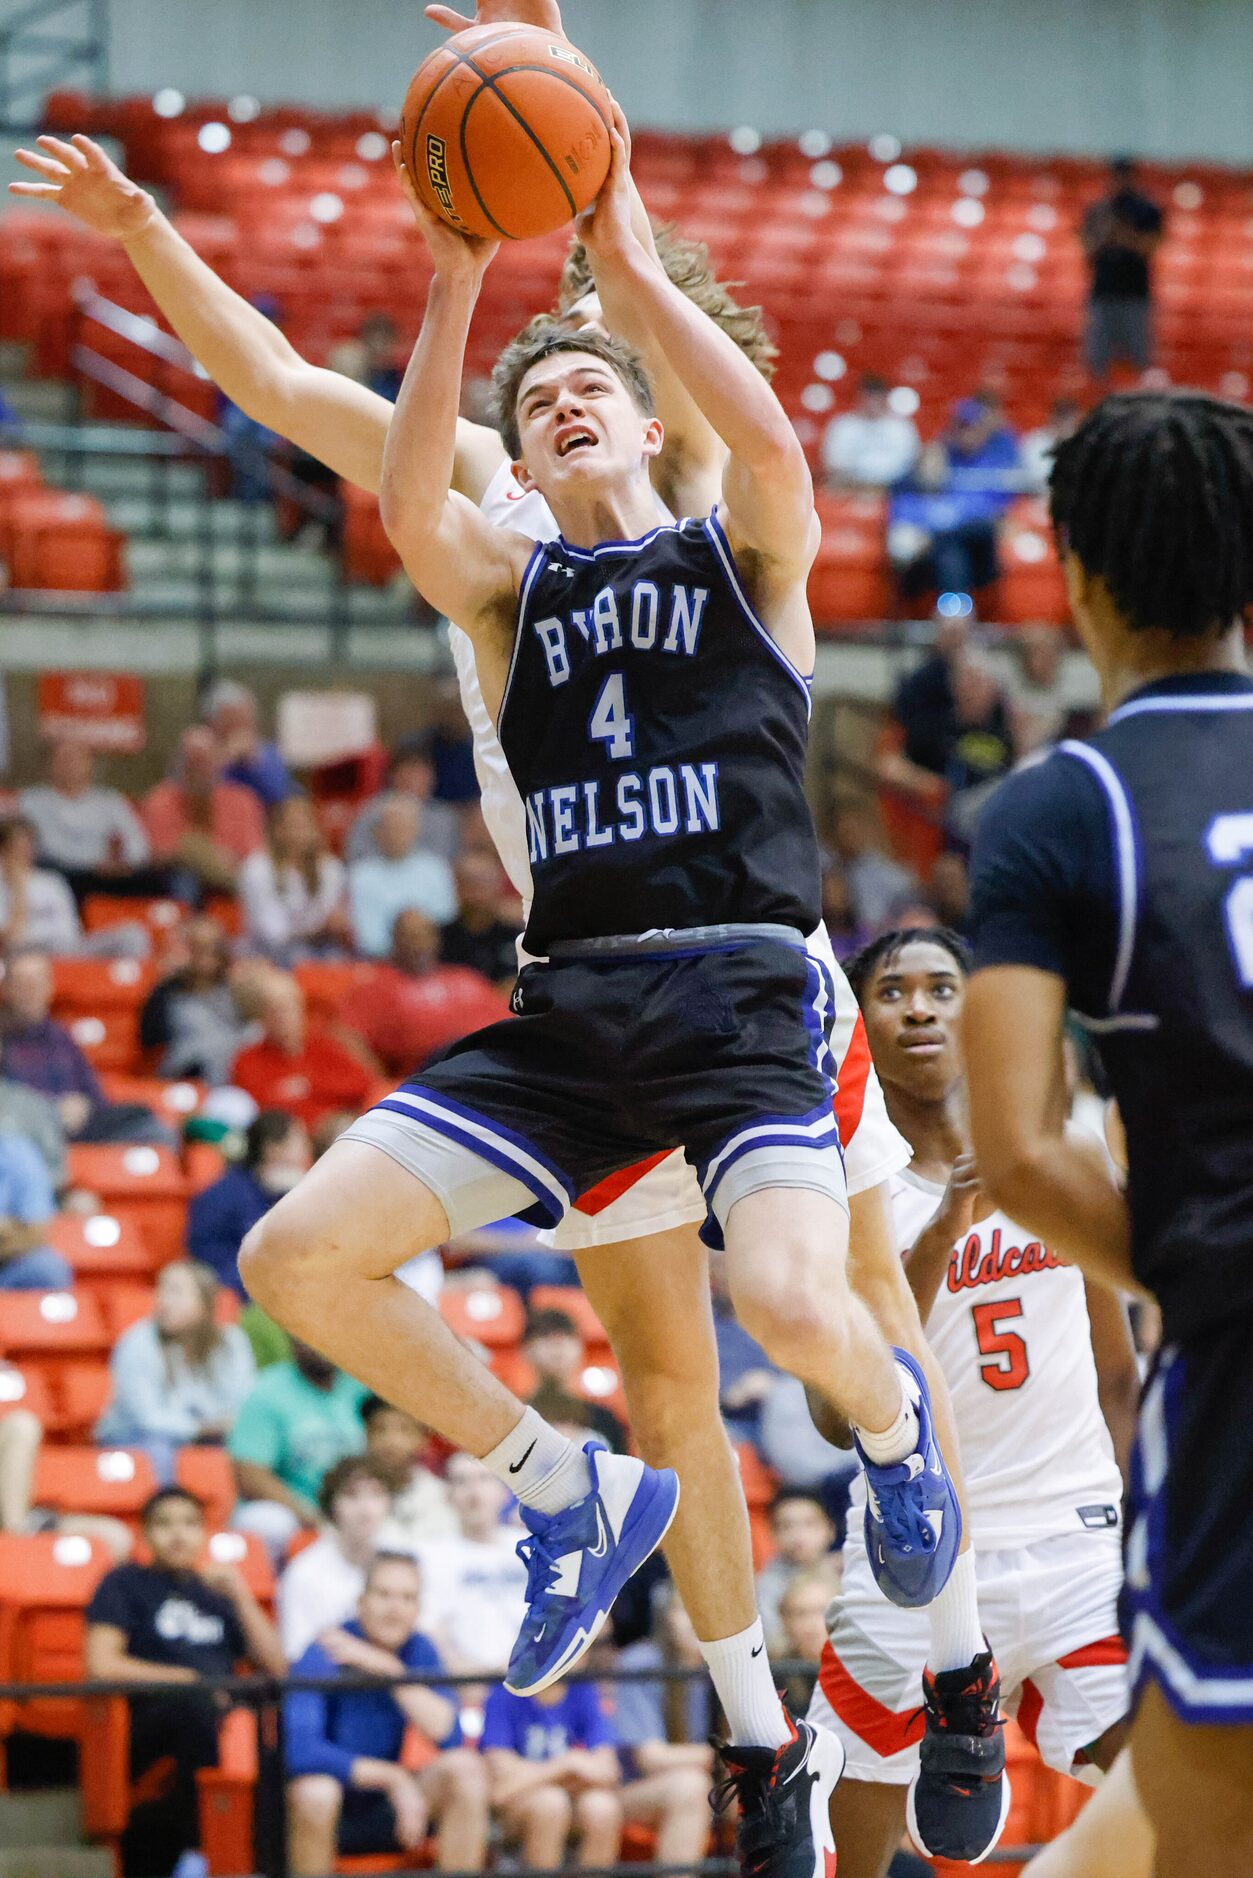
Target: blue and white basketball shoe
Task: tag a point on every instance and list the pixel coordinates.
(913, 1516)
(578, 1561)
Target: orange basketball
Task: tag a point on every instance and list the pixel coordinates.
(505, 131)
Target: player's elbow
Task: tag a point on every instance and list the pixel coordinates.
(1010, 1174)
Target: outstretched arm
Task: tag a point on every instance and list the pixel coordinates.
(342, 424)
(464, 566)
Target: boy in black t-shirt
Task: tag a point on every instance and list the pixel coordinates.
(173, 1622)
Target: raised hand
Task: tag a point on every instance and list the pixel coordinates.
(545, 14)
(81, 179)
(456, 256)
(604, 227)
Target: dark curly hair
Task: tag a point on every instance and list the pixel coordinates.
(861, 968)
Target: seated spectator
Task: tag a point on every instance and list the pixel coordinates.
(552, 1769)
(876, 882)
(451, 744)
(648, 1716)
(24, 1111)
(803, 1536)
(514, 1254)
(1037, 691)
(474, 1582)
(178, 1376)
(410, 1006)
(870, 447)
(299, 1419)
(925, 709)
(982, 748)
(296, 1066)
(1037, 446)
(421, 1508)
(943, 526)
(192, 1015)
(21, 1437)
(91, 835)
(411, 774)
(803, 1625)
(36, 905)
(746, 1374)
(371, 358)
(27, 1204)
(173, 1621)
(198, 822)
(37, 1051)
(321, 1587)
(839, 915)
(789, 1443)
(399, 875)
(292, 889)
(347, 1791)
(553, 1347)
(276, 1154)
(478, 937)
(230, 711)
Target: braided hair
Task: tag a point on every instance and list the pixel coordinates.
(861, 968)
(1154, 493)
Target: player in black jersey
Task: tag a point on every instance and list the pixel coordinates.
(1115, 878)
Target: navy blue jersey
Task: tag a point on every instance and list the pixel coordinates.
(657, 736)
(1125, 865)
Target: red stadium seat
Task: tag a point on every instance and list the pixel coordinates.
(25, 1389)
(37, 1324)
(62, 542)
(368, 553)
(113, 1481)
(100, 1245)
(147, 1182)
(103, 910)
(46, 1583)
(99, 984)
(109, 1039)
(488, 1314)
(208, 1472)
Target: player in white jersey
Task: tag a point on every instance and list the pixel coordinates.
(1014, 1330)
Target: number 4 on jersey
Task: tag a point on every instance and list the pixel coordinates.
(611, 723)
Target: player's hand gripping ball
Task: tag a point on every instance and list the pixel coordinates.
(505, 132)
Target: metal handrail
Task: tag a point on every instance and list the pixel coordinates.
(76, 53)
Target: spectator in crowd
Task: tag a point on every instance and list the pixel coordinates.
(21, 1437)
(27, 1204)
(371, 357)
(870, 447)
(553, 1774)
(192, 1015)
(36, 905)
(672, 1715)
(552, 1345)
(246, 758)
(24, 1111)
(474, 1581)
(347, 1790)
(301, 1417)
(295, 1065)
(790, 1444)
(803, 1625)
(198, 822)
(293, 889)
(420, 1508)
(37, 1051)
(398, 876)
(924, 710)
(1120, 236)
(173, 1621)
(943, 524)
(1037, 446)
(276, 1154)
(91, 835)
(410, 1006)
(478, 937)
(451, 745)
(875, 881)
(982, 747)
(178, 1376)
(1037, 689)
(411, 774)
(746, 1374)
(321, 1587)
(803, 1536)
(949, 890)
(839, 914)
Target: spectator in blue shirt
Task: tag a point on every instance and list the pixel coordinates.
(276, 1154)
(27, 1203)
(553, 1767)
(347, 1790)
(943, 523)
(231, 712)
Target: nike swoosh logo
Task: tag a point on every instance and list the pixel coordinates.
(515, 1467)
(602, 1535)
(758, 1650)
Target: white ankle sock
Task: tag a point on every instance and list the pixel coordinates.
(740, 1671)
(545, 1470)
(890, 1445)
(956, 1633)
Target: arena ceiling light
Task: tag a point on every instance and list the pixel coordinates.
(830, 365)
(244, 109)
(744, 140)
(826, 175)
(903, 400)
(884, 147)
(974, 183)
(968, 213)
(813, 143)
(817, 397)
(899, 179)
(326, 207)
(169, 103)
(295, 142)
(372, 146)
(1188, 195)
(214, 137)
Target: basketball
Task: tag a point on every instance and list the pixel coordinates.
(505, 132)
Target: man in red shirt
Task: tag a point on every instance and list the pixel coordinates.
(298, 1068)
(197, 821)
(408, 1008)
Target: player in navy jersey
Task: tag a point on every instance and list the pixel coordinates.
(1115, 878)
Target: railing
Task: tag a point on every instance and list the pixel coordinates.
(41, 48)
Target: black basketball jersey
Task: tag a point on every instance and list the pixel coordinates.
(1174, 1007)
(657, 737)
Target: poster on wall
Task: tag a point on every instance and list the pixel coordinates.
(104, 710)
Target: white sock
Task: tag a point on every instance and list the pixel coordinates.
(740, 1671)
(890, 1445)
(956, 1633)
(544, 1469)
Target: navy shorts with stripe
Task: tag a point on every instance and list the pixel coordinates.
(723, 1051)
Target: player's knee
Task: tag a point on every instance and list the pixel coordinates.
(280, 1259)
(315, 1798)
(795, 1322)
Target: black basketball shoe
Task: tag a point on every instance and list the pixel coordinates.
(959, 1798)
(784, 1798)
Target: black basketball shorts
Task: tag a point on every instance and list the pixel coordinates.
(716, 1042)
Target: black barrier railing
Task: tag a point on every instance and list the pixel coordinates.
(46, 44)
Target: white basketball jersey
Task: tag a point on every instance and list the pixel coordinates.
(1009, 1328)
